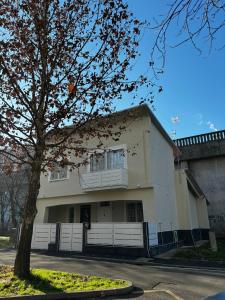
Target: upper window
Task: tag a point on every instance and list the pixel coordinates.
(58, 173)
(109, 160)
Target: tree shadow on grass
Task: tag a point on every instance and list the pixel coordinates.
(42, 285)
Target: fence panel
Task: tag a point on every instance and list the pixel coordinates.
(43, 234)
(128, 234)
(116, 234)
(71, 237)
(100, 234)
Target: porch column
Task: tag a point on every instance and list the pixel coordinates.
(45, 218)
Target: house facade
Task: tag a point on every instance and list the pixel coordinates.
(133, 180)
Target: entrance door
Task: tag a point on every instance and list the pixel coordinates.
(105, 212)
(85, 214)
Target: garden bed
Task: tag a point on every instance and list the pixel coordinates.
(203, 252)
(45, 282)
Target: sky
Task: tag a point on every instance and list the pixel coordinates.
(193, 97)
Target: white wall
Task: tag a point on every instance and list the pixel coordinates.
(193, 211)
(162, 176)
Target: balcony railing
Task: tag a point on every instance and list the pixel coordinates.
(200, 139)
(109, 179)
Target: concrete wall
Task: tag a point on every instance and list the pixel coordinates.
(210, 175)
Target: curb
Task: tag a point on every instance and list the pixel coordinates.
(154, 262)
(75, 295)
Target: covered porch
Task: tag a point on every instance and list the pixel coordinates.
(96, 212)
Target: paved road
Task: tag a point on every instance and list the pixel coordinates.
(151, 281)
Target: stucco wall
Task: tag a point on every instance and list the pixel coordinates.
(145, 195)
(133, 137)
(192, 210)
(182, 200)
(162, 178)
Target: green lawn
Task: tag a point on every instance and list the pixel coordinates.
(5, 242)
(204, 252)
(46, 281)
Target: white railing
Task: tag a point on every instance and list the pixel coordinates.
(43, 234)
(109, 179)
(116, 234)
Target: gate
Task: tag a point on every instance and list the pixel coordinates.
(43, 234)
(71, 237)
(116, 234)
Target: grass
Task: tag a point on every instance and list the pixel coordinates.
(204, 252)
(44, 281)
(5, 242)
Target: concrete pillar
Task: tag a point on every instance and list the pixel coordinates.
(45, 218)
(212, 240)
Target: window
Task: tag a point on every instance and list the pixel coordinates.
(134, 212)
(58, 173)
(109, 160)
(97, 162)
(115, 159)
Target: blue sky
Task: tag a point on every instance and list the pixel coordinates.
(193, 84)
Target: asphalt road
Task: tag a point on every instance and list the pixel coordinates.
(151, 281)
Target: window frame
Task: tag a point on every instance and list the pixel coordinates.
(59, 179)
(117, 147)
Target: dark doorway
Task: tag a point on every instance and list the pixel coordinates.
(85, 214)
(71, 215)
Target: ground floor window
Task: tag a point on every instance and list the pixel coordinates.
(134, 212)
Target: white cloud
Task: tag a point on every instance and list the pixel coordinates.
(201, 121)
(175, 119)
(211, 126)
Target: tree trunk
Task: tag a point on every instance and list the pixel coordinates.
(22, 261)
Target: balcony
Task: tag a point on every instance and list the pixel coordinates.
(109, 179)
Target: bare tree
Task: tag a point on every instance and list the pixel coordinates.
(13, 188)
(194, 21)
(62, 63)
(4, 211)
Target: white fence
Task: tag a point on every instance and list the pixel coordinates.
(116, 234)
(71, 237)
(101, 234)
(43, 234)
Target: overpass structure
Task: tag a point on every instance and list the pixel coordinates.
(204, 156)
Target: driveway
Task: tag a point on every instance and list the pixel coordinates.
(151, 281)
